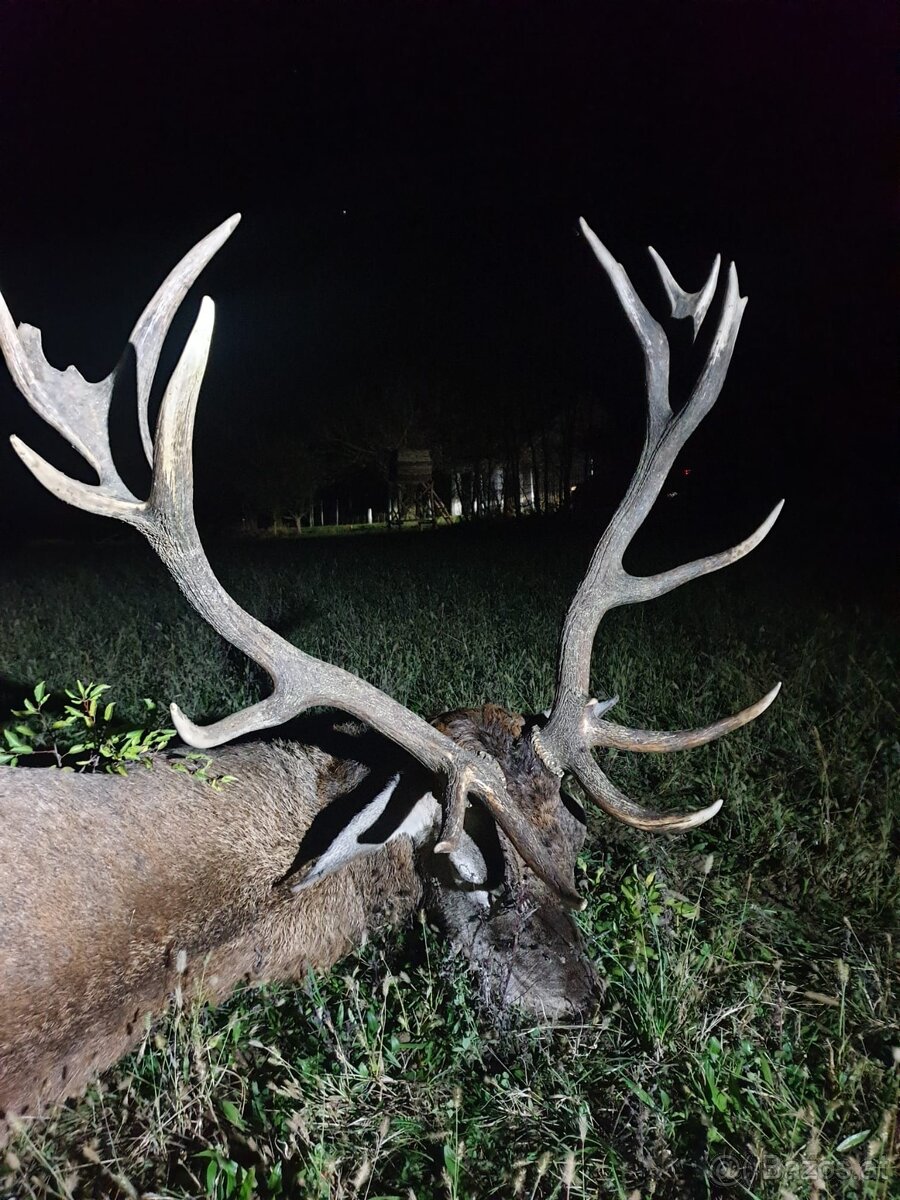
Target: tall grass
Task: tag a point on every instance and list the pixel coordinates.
(747, 1043)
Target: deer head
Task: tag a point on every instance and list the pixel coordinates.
(113, 892)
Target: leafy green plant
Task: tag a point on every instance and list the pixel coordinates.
(86, 727)
(226, 1179)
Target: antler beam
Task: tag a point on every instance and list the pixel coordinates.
(575, 725)
(80, 412)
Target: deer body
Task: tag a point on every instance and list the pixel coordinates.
(116, 894)
(135, 887)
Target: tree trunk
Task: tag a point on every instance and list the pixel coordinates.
(535, 477)
(546, 469)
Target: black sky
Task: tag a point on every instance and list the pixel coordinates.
(410, 177)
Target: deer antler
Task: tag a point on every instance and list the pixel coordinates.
(576, 723)
(80, 412)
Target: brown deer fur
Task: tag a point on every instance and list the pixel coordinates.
(135, 888)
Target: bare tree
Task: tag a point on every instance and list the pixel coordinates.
(285, 472)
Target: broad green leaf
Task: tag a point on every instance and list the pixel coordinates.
(855, 1139)
(232, 1113)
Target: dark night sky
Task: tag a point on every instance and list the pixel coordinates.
(463, 141)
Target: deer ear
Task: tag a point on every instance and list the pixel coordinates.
(337, 838)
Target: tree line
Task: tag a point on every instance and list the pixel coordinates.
(489, 459)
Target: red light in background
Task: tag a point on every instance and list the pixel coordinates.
(685, 470)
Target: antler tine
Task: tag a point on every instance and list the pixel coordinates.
(607, 796)
(80, 411)
(688, 304)
(153, 324)
(650, 333)
(574, 725)
(598, 732)
(69, 404)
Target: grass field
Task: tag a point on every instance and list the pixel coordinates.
(747, 1044)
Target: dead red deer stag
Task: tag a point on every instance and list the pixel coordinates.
(116, 893)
